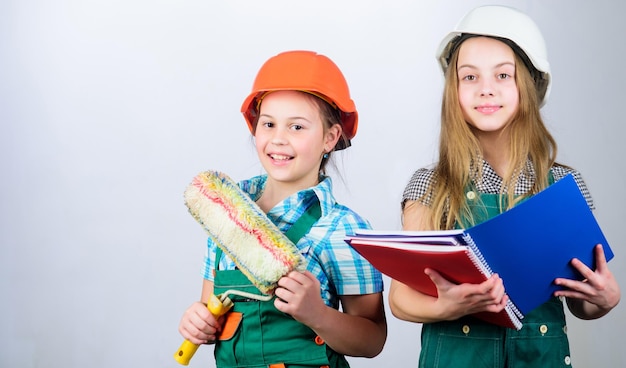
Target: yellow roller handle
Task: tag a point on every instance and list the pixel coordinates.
(217, 307)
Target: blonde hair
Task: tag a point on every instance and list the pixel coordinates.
(460, 154)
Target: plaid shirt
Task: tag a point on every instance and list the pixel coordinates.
(491, 182)
(339, 269)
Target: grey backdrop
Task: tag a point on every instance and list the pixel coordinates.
(108, 108)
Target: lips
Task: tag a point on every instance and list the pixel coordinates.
(488, 109)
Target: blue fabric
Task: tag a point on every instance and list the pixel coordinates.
(339, 269)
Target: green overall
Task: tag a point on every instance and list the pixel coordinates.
(266, 337)
(469, 342)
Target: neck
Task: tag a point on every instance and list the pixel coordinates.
(495, 150)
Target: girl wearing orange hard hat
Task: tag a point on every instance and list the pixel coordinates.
(299, 111)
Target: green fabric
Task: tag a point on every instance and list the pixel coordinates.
(304, 223)
(266, 335)
(471, 343)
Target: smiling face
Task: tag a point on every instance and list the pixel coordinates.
(291, 138)
(488, 93)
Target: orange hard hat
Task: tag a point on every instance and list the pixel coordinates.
(303, 71)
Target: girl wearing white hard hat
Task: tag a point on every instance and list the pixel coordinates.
(494, 152)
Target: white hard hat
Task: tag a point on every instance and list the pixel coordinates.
(506, 23)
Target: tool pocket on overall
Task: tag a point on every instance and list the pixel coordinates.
(542, 342)
(231, 325)
(463, 343)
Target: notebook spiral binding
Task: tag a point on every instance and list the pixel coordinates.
(481, 263)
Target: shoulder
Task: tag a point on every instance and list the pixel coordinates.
(336, 218)
(333, 226)
(560, 171)
(253, 186)
(342, 217)
(418, 184)
(334, 211)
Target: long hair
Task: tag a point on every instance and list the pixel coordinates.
(460, 153)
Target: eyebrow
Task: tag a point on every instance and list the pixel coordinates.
(512, 63)
(289, 118)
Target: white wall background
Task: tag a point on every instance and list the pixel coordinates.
(109, 108)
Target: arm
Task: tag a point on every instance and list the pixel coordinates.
(198, 325)
(298, 294)
(596, 295)
(453, 301)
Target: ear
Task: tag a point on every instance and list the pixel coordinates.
(332, 137)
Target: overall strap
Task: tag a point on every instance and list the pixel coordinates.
(550, 177)
(302, 226)
(305, 222)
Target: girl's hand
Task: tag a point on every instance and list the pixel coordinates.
(198, 325)
(298, 294)
(457, 301)
(598, 288)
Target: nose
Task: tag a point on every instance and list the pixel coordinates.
(486, 88)
(279, 136)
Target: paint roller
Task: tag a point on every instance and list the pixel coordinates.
(243, 231)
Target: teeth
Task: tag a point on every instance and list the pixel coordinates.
(280, 157)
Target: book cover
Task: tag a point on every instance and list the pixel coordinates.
(402, 260)
(533, 243)
(529, 246)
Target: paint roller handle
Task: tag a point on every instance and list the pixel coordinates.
(218, 306)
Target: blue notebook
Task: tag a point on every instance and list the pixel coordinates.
(533, 243)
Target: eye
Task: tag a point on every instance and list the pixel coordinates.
(504, 76)
(297, 127)
(266, 124)
(469, 78)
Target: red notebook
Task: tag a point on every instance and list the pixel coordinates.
(456, 263)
